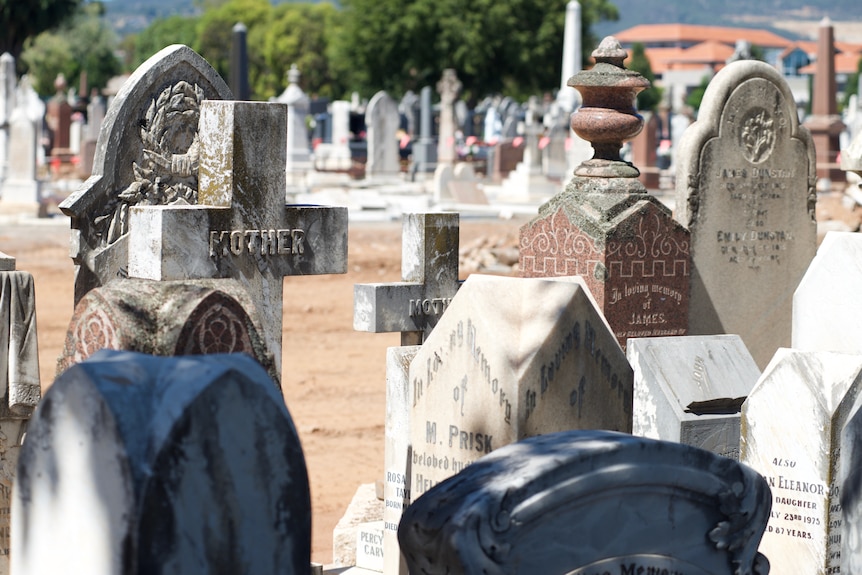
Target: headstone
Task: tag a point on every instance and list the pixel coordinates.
(604, 226)
(500, 367)
(239, 85)
(335, 156)
(156, 110)
(184, 465)
(397, 454)
(382, 120)
(592, 503)
(298, 154)
(21, 191)
(507, 155)
(59, 119)
(7, 105)
(425, 150)
(745, 190)
(825, 123)
(464, 185)
(645, 152)
(826, 308)
(234, 224)
(429, 273)
(448, 87)
(690, 389)
(555, 164)
(527, 181)
(167, 318)
(241, 227)
(443, 174)
(849, 490)
(408, 108)
(19, 370)
(95, 117)
(791, 428)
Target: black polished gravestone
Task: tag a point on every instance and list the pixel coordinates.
(589, 503)
(143, 464)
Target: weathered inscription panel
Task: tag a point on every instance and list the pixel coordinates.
(499, 368)
(745, 190)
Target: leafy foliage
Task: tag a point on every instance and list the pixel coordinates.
(511, 47)
(650, 98)
(82, 45)
(161, 33)
(23, 19)
(695, 97)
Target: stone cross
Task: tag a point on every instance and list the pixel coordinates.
(448, 88)
(429, 270)
(241, 227)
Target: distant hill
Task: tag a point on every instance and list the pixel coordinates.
(129, 16)
(774, 15)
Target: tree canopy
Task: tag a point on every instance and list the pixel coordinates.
(512, 47)
(23, 19)
(650, 98)
(83, 44)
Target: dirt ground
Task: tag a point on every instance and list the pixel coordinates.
(334, 377)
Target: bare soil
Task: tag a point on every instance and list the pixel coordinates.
(333, 376)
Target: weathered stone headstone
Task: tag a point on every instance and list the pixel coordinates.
(690, 389)
(448, 87)
(335, 156)
(745, 190)
(381, 121)
(604, 226)
(512, 358)
(443, 174)
(167, 318)
(592, 503)
(298, 153)
(147, 154)
(184, 465)
(527, 180)
(397, 453)
(848, 486)
(19, 377)
(791, 429)
(234, 224)
(429, 273)
(21, 189)
(95, 117)
(7, 105)
(826, 308)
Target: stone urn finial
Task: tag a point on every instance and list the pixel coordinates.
(608, 116)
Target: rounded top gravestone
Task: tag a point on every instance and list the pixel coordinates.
(146, 154)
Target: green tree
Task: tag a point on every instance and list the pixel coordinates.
(512, 47)
(160, 33)
(83, 45)
(24, 19)
(695, 97)
(650, 98)
(852, 86)
(299, 34)
(215, 35)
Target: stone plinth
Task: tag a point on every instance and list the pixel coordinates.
(604, 226)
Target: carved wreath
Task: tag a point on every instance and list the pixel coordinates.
(168, 171)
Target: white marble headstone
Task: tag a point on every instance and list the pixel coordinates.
(512, 358)
(791, 429)
(690, 389)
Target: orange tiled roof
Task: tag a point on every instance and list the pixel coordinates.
(844, 64)
(707, 52)
(691, 33)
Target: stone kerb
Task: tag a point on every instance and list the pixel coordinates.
(745, 190)
(141, 464)
(168, 87)
(590, 503)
